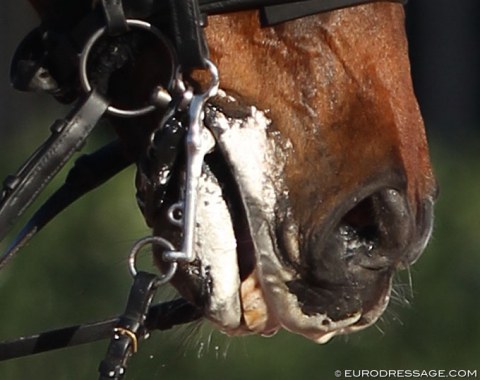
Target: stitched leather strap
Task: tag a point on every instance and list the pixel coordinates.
(224, 6)
(276, 14)
(68, 136)
(187, 22)
(89, 172)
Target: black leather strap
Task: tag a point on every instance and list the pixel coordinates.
(224, 6)
(115, 16)
(161, 317)
(276, 14)
(130, 327)
(56, 339)
(139, 8)
(89, 172)
(187, 22)
(68, 136)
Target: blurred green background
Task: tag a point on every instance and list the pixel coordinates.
(75, 271)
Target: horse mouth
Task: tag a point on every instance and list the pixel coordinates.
(250, 274)
(223, 279)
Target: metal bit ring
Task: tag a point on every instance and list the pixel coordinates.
(153, 240)
(85, 82)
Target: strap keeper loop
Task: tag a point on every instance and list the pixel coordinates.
(115, 17)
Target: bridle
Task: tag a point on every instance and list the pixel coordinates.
(69, 62)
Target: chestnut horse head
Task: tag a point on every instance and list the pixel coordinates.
(320, 186)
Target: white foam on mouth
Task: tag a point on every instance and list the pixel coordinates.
(216, 249)
(215, 245)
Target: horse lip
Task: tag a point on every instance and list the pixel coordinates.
(246, 147)
(371, 316)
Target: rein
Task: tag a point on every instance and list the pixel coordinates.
(74, 63)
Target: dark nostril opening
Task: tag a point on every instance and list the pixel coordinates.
(374, 232)
(362, 219)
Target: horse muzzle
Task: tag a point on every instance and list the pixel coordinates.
(257, 270)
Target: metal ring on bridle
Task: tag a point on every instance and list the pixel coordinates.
(85, 82)
(154, 240)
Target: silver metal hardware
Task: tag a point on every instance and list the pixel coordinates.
(199, 142)
(153, 240)
(85, 82)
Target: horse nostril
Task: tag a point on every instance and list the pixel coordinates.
(375, 232)
(347, 266)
